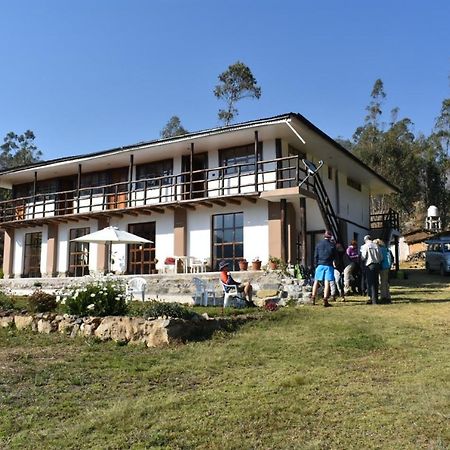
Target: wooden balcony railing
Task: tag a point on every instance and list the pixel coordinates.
(210, 183)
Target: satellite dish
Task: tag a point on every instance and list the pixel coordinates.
(311, 169)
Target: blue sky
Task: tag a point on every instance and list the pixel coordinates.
(90, 75)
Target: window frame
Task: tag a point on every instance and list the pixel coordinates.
(78, 250)
(229, 155)
(155, 176)
(32, 251)
(236, 256)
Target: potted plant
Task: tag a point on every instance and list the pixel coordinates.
(256, 263)
(274, 262)
(243, 264)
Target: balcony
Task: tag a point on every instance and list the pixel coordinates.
(185, 189)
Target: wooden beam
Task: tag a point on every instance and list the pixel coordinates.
(251, 199)
(233, 201)
(112, 213)
(157, 210)
(187, 206)
(145, 212)
(206, 204)
(219, 202)
(131, 213)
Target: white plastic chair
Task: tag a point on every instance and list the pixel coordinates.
(136, 288)
(201, 296)
(170, 268)
(210, 292)
(230, 292)
(198, 265)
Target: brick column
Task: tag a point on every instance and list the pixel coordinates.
(8, 253)
(274, 221)
(52, 250)
(292, 234)
(180, 231)
(302, 230)
(102, 255)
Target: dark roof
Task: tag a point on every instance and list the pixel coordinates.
(237, 126)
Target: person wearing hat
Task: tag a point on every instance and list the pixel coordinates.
(324, 259)
(371, 257)
(226, 278)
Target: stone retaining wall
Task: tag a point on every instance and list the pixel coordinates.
(165, 287)
(133, 330)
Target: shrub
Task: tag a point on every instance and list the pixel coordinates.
(156, 309)
(40, 302)
(105, 296)
(6, 302)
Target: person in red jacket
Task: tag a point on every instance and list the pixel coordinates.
(226, 278)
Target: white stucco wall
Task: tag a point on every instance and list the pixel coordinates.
(256, 237)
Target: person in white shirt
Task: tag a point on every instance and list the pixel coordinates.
(371, 257)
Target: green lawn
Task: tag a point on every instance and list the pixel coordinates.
(354, 376)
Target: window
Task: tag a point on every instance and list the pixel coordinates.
(46, 190)
(243, 156)
(353, 184)
(78, 253)
(141, 257)
(32, 255)
(153, 172)
(228, 239)
(22, 190)
(90, 181)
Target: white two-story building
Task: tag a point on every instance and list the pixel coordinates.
(229, 193)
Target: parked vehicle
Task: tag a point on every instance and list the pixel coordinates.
(437, 256)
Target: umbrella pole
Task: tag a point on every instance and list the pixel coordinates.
(108, 263)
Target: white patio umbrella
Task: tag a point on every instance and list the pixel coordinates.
(109, 236)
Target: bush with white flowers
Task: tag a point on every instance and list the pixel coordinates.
(103, 296)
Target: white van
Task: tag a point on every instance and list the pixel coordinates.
(437, 256)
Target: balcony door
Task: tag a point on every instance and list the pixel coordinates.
(198, 188)
(64, 199)
(117, 195)
(141, 257)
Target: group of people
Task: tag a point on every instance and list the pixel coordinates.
(369, 265)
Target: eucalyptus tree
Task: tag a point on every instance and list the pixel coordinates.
(236, 83)
(173, 128)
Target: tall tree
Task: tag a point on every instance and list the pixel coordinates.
(437, 164)
(391, 152)
(236, 83)
(18, 150)
(173, 128)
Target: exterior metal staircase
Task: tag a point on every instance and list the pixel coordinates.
(385, 225)
(326, 208)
